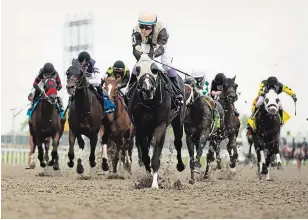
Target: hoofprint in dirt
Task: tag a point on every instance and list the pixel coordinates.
(25, 195)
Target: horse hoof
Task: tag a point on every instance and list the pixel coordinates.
(70, 164)
(140, 163)
(92, 164)
(105, 165)
(198, 165)
(279, 166)
(180, 167)
(50, 163)
(55, 167)
(30, 166)
(192, 182)
(232, 165)
(79, 169)
(43, 164)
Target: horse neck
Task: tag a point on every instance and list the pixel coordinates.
(46, 109)
(82, 100)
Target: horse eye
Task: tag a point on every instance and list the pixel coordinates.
(277, 100)
(266, 100)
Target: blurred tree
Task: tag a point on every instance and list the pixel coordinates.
(24, 125)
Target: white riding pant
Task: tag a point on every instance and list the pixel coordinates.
(95, 79)
(165, 58)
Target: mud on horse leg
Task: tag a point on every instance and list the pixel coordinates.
(191, 151)
(232, 145)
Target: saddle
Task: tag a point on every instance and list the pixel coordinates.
(31, 110)
(215, 114)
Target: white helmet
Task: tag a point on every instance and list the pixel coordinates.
(197, 73)
(147, 18)
(199, 76)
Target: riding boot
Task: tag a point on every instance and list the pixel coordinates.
(281, 116)
(101, 93)
(60, 103)
(179, 96)
(35, 97)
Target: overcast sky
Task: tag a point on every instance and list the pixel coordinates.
(252, 39)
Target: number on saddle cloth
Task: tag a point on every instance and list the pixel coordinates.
(30, 111)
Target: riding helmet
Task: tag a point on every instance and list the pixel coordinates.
(220, 78)
(84, 56)
(48, 69)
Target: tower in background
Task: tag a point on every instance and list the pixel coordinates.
(78, 36)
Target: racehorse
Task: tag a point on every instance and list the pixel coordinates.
(231, 125)
(117, 127)
(46, 122)
(85, 114)
(200, 124)
(151, 107)
(267, 132)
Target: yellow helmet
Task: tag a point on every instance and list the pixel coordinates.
(147, 18)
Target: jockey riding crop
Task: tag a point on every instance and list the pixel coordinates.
(186, 74)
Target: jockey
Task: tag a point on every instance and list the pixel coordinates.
(48, 71)
(201, 83)
(149, 32)
(92, 73)
(217, 86)
(119, 69)
(265, 85)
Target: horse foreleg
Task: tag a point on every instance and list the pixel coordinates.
(209, 159)
(46, 144)
(191, 151)
(159, 139)
(93, 142)
(71, 153)
(115, 158)
(232, 145)
(143, 143)
(54, 153)
(41, 152)
(177, 126)
(216, 148)
(31, 160)
(105, 139)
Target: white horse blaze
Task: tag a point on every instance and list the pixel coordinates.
(155, 179)
(262, 160)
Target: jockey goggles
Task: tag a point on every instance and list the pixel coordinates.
(146, 27)
(118, 70)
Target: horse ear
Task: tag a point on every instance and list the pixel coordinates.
(234, 78)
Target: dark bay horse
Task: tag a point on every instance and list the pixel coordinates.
(46, 122)
(267, 132)
(85, 114)
(150, 108)
(117, 128)
(200, 124)
(231, 124)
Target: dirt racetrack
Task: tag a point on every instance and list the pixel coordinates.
(25, 195)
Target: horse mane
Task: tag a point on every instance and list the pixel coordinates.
(74, 69)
